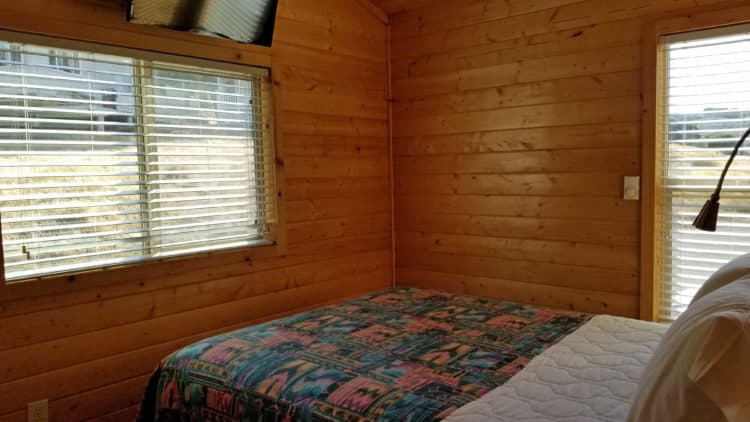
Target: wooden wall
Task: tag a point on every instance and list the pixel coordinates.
(515, 122)
(90, 345)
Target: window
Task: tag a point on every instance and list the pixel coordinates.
(707, 103)
(127, 159)
(10, 54)
(64, 61)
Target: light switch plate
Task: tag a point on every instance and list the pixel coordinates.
(632, 188)
(38, 411)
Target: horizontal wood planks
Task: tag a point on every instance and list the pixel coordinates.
(89, 345)
(515, 122)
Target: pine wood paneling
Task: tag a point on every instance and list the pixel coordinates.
(89, 345)
(515, 122)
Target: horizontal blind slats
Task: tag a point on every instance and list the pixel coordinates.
(106, 160)
(706, 109)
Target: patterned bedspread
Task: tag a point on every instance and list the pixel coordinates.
(400, 355)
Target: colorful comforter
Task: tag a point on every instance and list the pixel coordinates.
(400, 355)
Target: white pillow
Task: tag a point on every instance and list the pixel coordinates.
(731, 271)
(701, 369)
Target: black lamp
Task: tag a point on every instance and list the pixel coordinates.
(706, 219)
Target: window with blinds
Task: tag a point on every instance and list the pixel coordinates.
(107, 160)
(707, 101)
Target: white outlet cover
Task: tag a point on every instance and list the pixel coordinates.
(631, 188)
(38, 411)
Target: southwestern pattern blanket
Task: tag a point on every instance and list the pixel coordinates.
(400, 355)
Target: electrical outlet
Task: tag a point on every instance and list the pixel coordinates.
(38, 411)
(631, 188)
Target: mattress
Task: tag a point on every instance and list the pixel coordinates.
(404, 354)
(590, 375)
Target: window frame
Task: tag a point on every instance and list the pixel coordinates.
(653, 71)
(237, 62)
(9, 54)
(58, 59)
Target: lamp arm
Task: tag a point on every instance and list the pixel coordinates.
(709, 214)
(729, 163)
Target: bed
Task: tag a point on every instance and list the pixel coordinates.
(590, 375)
(409, 354)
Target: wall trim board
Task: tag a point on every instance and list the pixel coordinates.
(390, 152)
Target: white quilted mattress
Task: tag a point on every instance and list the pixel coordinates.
(590, 375)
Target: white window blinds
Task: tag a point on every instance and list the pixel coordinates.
(106, 160)
(707, 102)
